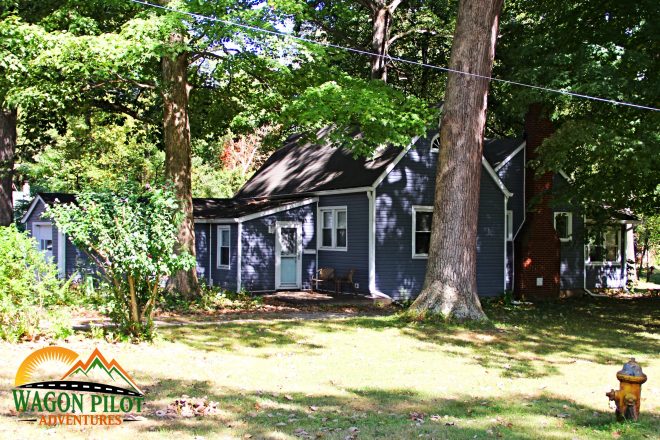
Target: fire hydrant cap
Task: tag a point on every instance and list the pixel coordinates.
(632, 371)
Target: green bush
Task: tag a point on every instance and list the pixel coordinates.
(28, 285)
(131, 235)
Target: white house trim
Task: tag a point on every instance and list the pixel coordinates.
(319, 228)
(61, 254)
(219, 248)
(260, 214)
(239, 256)
(209, 246)
(394, 163)
(564, 175)
(506, 228)
(36, 199)
(415, 210)
(495, 177)
(331, 192)
(371, 195)
(511, 156)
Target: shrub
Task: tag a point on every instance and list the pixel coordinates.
(28, 285)
(131, 235)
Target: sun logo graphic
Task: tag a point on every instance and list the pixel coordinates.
(89, 392)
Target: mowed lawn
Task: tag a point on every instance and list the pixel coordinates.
(536, 373)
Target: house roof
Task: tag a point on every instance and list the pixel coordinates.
(300, 168)
(497, 150)
(229, 209)
(203, 208)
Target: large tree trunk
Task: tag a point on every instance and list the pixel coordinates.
(178, 163)
(450, 287)
(7, 155)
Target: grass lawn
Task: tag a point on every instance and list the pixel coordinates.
(537, 373)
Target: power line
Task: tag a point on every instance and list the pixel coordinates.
(401, 60)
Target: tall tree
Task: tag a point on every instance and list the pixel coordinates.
(450, 287)
(178, 152)
(7, 155)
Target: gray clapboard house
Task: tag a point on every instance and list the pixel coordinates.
(310, 207)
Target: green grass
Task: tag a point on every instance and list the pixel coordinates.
(535, 373)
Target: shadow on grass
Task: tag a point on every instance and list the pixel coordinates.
(380, 413)
(526, 342)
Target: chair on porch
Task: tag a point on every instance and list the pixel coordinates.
(323, 275)
(346, 279)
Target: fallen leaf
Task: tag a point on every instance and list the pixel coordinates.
(288, 397)
(313, 408)
(616, 434)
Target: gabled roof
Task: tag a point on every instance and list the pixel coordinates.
(205, 209)
(234, 210)
(499, 151)
(303, 168)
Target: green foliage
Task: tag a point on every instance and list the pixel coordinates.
(211, 299)
(97, 151)
(381, 114)
(211, 181)
(130, 234)
(605, 49)
(29, 285)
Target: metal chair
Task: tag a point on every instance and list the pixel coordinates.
(346, 279)
(323, 275)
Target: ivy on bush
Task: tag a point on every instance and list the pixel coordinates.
(131, 235)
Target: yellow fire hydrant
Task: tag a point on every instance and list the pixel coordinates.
(629, 394)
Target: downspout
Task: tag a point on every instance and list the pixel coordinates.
(61, 254)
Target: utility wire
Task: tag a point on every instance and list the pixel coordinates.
(401, 60)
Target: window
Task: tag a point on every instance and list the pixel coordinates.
(334, 227)
(223, 247)
(564, 225)
(509, 225)
(604, 246)
(435, 144)
(422, 219)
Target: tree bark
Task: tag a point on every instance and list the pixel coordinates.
(450, 287)
(380, 42)
(380, 35)
(7, 158)
(178, 162)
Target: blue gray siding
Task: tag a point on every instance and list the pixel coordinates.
(356, 255)
(258, 248)
(411, 183)
(76, 261)
(512, 175)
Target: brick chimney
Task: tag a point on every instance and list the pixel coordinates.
(537, 259)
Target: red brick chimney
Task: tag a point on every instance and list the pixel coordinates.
(537, 261)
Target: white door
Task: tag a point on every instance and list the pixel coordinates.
(43, 233)
(288, 255)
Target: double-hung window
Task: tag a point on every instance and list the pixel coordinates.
(604, 246)
(422, 218)
(224, 247)
(564, 225)
(334, 228)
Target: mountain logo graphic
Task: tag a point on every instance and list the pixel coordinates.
(95, 374)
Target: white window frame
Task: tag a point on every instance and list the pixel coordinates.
(435, 138)
(334, 210)
(53, 251)
(569, 225)
(220, 245)
(508, 218)
(617, 262)
(415, 210)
